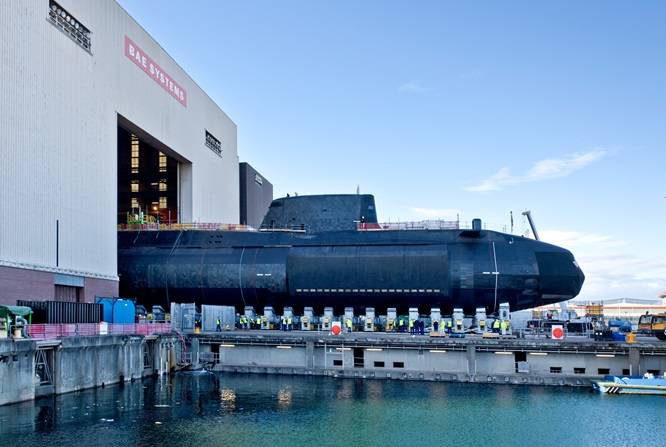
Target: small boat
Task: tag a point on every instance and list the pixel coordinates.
(647, 384)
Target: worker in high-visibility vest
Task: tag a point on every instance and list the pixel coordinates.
(504, 326)
(348, 323)
(289, 323)
(496, 326)
(411, 327)
(401, 325)
(258, 322)
(449, 325)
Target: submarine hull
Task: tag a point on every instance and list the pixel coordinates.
(380, 269)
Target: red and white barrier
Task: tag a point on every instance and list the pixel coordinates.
(52, 331)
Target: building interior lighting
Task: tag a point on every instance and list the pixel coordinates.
(538, 353)
(227, 346)
(437, 351)
(606, 355)
(374, 349)
(283, 347)
(503, 352)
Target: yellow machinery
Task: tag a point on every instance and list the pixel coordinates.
(327, 320)
(307, 319)
(458, 320)
(391, 319)
(653, 325)
(594, 310)
(369, 319)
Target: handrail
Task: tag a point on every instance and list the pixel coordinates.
(360, 226)
(425, 225)
(53, 331)
(155, 226)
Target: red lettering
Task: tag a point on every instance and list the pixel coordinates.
(136, 55)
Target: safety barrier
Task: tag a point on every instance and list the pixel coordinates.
(154, 226)
(426, 225)
(51, 331)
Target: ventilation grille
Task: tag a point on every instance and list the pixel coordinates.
(213, 143)
(69, 25)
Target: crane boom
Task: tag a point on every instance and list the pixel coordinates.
(528, 214)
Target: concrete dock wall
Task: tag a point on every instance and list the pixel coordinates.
(17, 371)
(380, 356)
(88, 362)
(29, 368)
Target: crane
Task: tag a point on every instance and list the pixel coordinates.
(528, 214)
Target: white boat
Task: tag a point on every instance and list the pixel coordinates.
(648, 384)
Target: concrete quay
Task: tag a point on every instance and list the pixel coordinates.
(575, 361)
(33, 368)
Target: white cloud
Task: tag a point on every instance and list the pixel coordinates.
(611, 269)
(414, 87)
(430, 213)
(571, 239)
(549, 168)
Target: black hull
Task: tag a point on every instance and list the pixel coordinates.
(380, 269)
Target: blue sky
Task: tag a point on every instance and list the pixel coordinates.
(440, 108)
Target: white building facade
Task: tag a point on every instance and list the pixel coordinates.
(75, 76)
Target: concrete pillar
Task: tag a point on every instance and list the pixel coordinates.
(309, 354)
(635, 361)
(471, 360)
(194, 346)
(165, 358)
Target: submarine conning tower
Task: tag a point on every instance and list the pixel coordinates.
(317, 213)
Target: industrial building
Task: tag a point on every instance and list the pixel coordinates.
(99, 126)
(256, 195)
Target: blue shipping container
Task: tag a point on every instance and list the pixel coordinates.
(117, 310)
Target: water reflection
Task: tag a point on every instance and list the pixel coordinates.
(284, 398)
(227, 399)
(258, 409)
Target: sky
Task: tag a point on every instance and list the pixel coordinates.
(443, 108)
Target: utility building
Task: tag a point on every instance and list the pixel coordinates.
(256, 195)
(99, 127)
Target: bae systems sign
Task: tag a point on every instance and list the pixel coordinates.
(144, 62)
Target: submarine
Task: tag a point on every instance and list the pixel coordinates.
(330, 251)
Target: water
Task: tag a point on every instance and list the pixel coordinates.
(228, 409)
